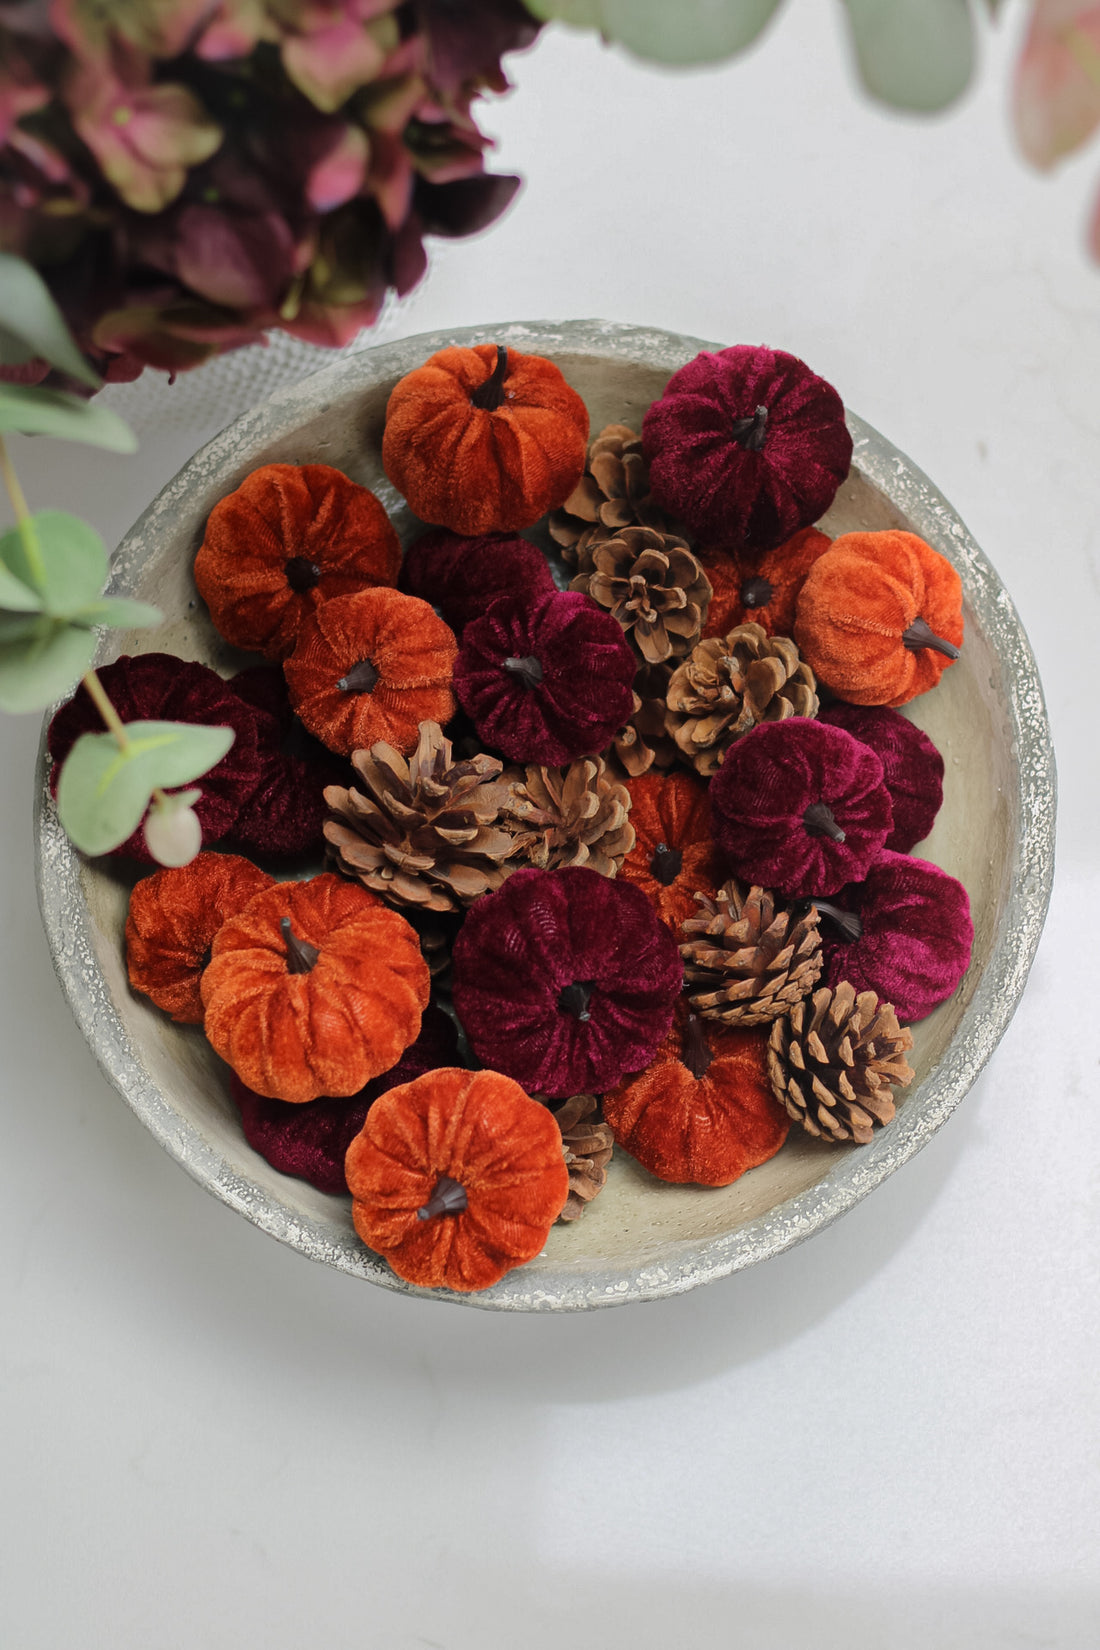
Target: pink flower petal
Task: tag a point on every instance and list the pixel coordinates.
(340, 174)
(331, 63)
(1056, 99)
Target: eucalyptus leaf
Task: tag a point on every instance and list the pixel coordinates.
(15, 595)
(66, 562)
(28, 312)
(14, 626)
(43, 664)
(119, 613)
(104, 791)
(35, 411)
(13, 351)
(680, 33)
(913, 54)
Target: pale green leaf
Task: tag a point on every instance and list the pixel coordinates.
(913, 54)
(28, 312)
(119, 613)
(13, 351)
(35, 411)
(14, 626)
(43, 664)
(15, 595)
(103, 791)
(64, 561)
(679, 32)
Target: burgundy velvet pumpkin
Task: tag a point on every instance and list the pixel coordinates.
(800, 808)
(915, 940)
(546, 679)
(746, 446)
(285, 815)
(565, 980)
(911, 765)
(463, 577)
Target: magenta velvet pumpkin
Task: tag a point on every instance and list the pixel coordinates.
(463, 577)
(746, 446)
(565, 980)
(800, 808)
(912, 766)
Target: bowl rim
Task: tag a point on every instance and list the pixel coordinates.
(66, 917)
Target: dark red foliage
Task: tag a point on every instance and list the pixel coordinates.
(746, 446)
(285, 814)
(916, 940)
(565, 980)
(767, 801)
(156, 687)
(463, 577)
(311, 1140)
(912, 766)
(546, 679)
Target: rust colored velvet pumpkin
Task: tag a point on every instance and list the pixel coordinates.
(314, 988)
(762, 592)
(291, 537)
(703, 1112)
(484, 440)
(456, 1178)
(674, 853)
(173, 918)
(879, 617)
(372, 667)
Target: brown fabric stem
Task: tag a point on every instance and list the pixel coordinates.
(490, 395)
(756, 592)
(695, 1054)
(529, 670)
(848, 925)
(820, 820)
(361, 678)
(574, 999)
(751, 433)
(302, 574)
(921, 635)
(448, 1198)
(300, 955)
(666, 864)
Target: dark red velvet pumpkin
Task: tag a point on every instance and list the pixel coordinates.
(463, 577)
(912, 766)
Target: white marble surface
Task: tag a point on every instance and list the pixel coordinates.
(887, 1437)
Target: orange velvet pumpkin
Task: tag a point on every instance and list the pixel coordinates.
(289, 538)
(173, 918)
(764, 591)
(456, 1177)
(484, 440)
(372, 666)
(879, 617)
(673, 854)
(314, 988)
(703, 1111)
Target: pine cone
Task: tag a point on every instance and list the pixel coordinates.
(425, 833)
(731, 683)
(613, 493)
(642, 742)
(654, 586)
(745, 962)
(587, 1144)
(576, 815)
(833, 1061)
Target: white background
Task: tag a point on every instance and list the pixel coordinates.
(885, 1438)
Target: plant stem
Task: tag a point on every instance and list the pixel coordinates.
(113, 720)
(23, 518)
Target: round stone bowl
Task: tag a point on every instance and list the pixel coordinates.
(641, 1239)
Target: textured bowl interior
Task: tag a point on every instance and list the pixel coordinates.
(641, 1239)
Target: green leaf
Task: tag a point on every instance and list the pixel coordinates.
(66, 564)
(43, 664)
(678, 32)
(913, 54)
(34, 411)
(16, 596)
(104, 791)
(14, 626)
(28, 312)
(13, 351)
(119, 613)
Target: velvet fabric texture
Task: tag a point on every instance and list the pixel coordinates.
(746, 446)
(912, 766)
(393, 655)
(703, 1111)
(291, 537)
(763, 591)
(860, 603)
(321, 1008)
(484, 440)
(155, 687)
(286, 813)
(463, 577)
(470, 1141)
(546, 679)
(171, 923)
(782, 794)
(674, 853)
(565, 980)
(311, 1141)
(917, 936)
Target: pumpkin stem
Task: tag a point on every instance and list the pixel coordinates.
(529, 670)
(448, 1198)
(490, 394)
(920, 635)
(848, 924)
(666, 864)
(361, 678)
(750, 432)
(302, 574)
(300, 955)
(695, 1053)
(575, 998)
(820, 820)
(756, 592)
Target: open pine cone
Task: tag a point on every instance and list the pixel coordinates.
(613, 493)
(588, 1145)
(834, 1060)
(575, 815)
(654, 586)
(642, 742)
(745, 961)
(426, 832)
(731, 683)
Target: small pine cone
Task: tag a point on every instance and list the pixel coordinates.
(642, 742)
(588, 1145)
(833, 1061)
(654, 586)
(425, 833)
(745, 961)
(576, 815)
(436, 935)
(731, 683)
(612, 494)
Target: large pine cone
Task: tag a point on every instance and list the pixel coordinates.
(731, 683)
(612, 494)
(834, 1061)
(587, 1144)
(576, 815)
(745, 962)
(654, 586)
(425, 833)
